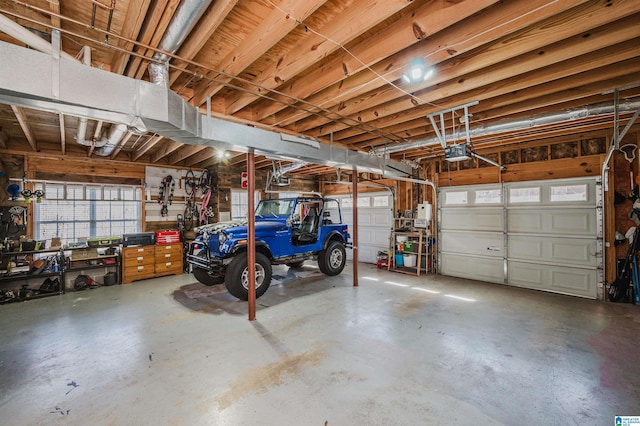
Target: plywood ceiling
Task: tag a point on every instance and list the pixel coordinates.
(332, 69)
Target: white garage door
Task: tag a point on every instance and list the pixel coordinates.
(375, 220)
(540, 235)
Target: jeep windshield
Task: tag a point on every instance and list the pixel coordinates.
(275, 208)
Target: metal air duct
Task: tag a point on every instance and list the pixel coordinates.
(181, 25)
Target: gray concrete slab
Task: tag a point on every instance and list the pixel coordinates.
(397, 350)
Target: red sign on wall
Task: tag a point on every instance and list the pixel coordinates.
(244, 180)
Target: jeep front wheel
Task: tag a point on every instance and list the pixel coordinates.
(203, 276)
(331, 261)
(237, 276)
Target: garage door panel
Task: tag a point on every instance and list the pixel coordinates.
(374, 227)
(573, 222)
(573, 251)
(490, 270)
(581, 282)
(525, 275)
(553, 221)
(488, 244)
(550, 227)
(558, 279)
(473, 219)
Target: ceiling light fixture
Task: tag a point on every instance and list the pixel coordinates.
(418, 72)
(222, 154)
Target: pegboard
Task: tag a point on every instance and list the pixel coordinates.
(153, 179)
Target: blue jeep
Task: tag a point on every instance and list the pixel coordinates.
(288, 231)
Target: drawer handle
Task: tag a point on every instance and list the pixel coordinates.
(167, 265)
(140, 268)
(140, 250)
(139, 258)
(167, 255)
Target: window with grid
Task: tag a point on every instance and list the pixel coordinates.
(240, 203)
(73, 211)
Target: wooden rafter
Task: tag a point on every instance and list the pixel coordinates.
(342, 29)
(428, 20)
(24, 125)
(152, 33)
(148, 145)
(483, 29)
(185, 152)
(133, 21)
(387, 101)
(165, 149)
(54, 6)
(208, 24)
(271, 30)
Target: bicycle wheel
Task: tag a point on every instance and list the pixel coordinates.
(190, 183)
(205, 181)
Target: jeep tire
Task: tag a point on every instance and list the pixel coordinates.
(331, 261)
(236, 278)
(203, 276)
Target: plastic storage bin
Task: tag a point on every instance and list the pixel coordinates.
(410, 260)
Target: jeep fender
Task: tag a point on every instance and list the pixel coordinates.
(333, 236)
(261, 247)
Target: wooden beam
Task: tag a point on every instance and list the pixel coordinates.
(269, 32)
(136, 13)
(208, 154)
(54, 6)
(485, 29)
(581, 78)
(427, 20)
(165, 150)
(24, 125)
(96, 136)
(151, 34)
(208, 24)
(576, 53)
(150, 143)
(86, 166)
(63, 133)
(185, 151)
(359, 17)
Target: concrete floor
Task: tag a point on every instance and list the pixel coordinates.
(397, 350)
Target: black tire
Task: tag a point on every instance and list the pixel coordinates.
(205, 180)
(236, 277)
(190, 183)
(203, 276)
(190, 217)
(332, 260)
(296, 265)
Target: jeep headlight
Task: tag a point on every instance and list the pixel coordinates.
(222, 237)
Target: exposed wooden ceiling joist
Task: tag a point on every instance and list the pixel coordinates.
(331, 69)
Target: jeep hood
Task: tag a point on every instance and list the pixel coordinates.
(239, 228)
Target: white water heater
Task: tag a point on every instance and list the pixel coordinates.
(424, 211)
